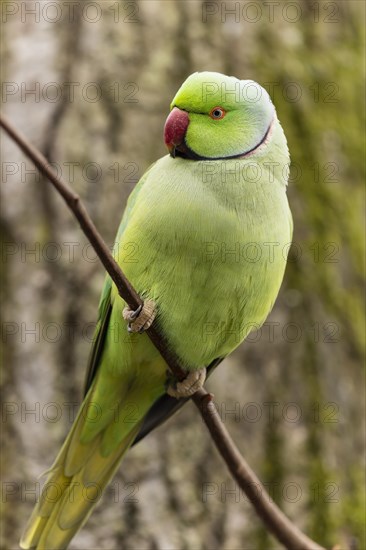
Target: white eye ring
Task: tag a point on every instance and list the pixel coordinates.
(217, 113)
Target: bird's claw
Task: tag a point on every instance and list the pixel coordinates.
(132, 315)
(141, 318)
(187, 387)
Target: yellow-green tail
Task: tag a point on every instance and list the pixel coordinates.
(74, 485)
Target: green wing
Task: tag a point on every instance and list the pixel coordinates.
(105, 309)
(105, 306)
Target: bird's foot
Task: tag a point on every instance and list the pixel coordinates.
(187, 387)
(140, 319)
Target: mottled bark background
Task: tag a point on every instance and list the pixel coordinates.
(90, 84)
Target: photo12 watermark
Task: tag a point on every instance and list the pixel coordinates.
(69, 92)
(289, 491)
(273, 412)
(250, 92)
(69, 11)
(72, 491)
(25, 412)
(270, 11)
(72, 171)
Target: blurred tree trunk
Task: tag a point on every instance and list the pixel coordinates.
(291, 394)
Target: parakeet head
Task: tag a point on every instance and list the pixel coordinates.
(214, 116)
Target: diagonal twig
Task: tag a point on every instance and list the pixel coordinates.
(274, 519)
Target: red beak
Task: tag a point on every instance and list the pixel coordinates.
(175, 129)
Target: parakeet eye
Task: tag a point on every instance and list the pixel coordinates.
(217, 112)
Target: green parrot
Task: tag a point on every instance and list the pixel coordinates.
(204, 240)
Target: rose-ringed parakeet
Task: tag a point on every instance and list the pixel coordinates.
(204, 240)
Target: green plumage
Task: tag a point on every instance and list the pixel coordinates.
(207, 240)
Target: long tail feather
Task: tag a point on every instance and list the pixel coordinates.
(74, 485)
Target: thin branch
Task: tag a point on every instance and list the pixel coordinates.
(274, 519)
(125, 289)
